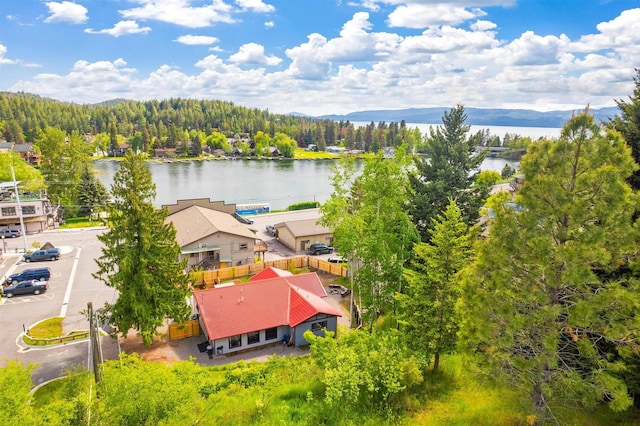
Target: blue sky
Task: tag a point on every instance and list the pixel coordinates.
(325, 56)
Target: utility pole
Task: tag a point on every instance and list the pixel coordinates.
(94, 343)
(22, 229)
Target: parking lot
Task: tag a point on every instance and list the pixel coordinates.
(70, 288)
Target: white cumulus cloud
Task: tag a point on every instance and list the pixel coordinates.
(438, 59)
(3, 59)
(256, 6)
(181, 12)
(66, 11)
(253, 53)
(194, 40)
(428, 15)
(481, 25)
(121, 28)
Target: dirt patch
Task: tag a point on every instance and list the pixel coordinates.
(162, 350)
(326, 278)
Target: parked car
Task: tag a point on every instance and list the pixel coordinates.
(320, 248)
(336, 259)
(41, 274)
(25, 287)
(39, 255)
(271, 230)
(10, 233)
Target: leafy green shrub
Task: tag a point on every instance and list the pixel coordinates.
(304, 205)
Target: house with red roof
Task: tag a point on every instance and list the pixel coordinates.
(276, 307)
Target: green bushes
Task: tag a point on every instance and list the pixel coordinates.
(304, 205)
(360, 379)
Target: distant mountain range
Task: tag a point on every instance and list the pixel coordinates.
(475, 116)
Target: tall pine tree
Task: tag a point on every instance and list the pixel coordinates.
(92, 194)
(542, 309)
(449, 172)
(628, 124)
(140, 256)
(428, 304)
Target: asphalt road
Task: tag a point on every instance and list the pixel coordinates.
(72, 286)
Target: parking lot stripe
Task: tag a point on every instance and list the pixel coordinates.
(67, 294)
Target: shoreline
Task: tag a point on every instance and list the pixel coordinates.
(176, 160)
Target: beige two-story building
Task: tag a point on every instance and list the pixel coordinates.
(212, 239)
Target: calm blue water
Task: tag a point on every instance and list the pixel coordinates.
(277, 182)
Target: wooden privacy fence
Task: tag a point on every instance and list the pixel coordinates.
(184, 330)
(210, 278)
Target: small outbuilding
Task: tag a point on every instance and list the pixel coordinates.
(298, 235)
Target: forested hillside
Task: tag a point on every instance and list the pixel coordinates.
(169, 122)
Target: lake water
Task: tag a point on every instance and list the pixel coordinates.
(277, 182)
(533, 132)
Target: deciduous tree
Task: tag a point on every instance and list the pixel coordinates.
(30, 178)
(364, 370)
(15, 388)
(140, 256)
(63, 159)
(136, 392)
(371, 227)
(542, 310)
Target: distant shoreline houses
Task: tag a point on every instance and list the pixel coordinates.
(26, 151)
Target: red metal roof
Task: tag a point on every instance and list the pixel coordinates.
(254, 306)
(309, 282)
(270, 272)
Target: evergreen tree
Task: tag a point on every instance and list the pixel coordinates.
(113, 138)
(542, 309)
(196, 146)
(628, 124)
(146, 139)
(429, 300)
(140, 253)
(449, 172)
(507, 171)
(92, 194)
(13, 132)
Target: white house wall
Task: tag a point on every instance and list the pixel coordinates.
(223, 344)
(230, 248)
(332, 325)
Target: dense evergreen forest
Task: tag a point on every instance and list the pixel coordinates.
(167, 123)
